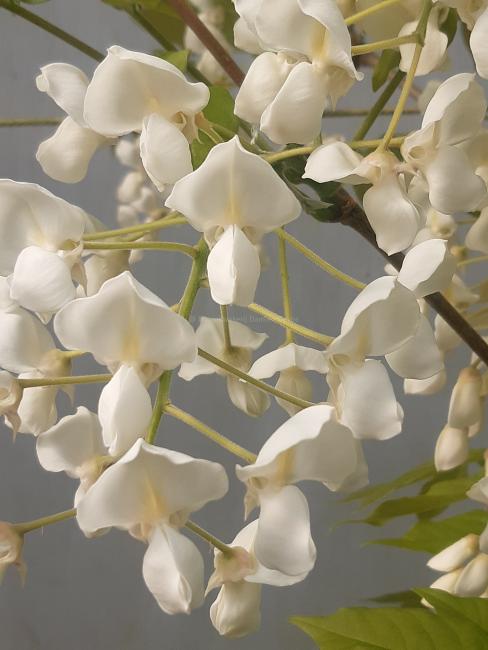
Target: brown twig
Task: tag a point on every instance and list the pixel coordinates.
(191, 20)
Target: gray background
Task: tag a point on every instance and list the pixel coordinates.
(84, 593)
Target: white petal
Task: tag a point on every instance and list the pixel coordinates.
(66, 85)
(393, 217)
(312, 446)
(446, 338)
(124, 410)
(236, 610)
(456, 555)
(283, 540)
(72, 442)
(479, 491)
(234, 187)
(126, 323)
(473, 581)
(433, 52)
(369, 405)
(128, 86)
(420, 357)
(24, 341)
(466, 405)
(65, 156)
(478, 45)
(303, 93)
(477, 237)
(289, 356)
(165, 152)
(459, 105)
(233, 269)
(41, 219)
(294, 31)
(453, 185)
(37, 409)
(262, 83)
(428, 267)
(147, 485)
(247, 398)
(173, 571)
(332, 162)
(429, 386)
(246, 39)
(451, 450)
(41, 281)
(384, 316)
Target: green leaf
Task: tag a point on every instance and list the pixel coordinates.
(361, 628)
(162, 17)
(178, 59)
(433, 536)
(399, 598)
(367, 496)
(449, 26)
(200, 148)
(220, 109)
(440, 496)
(29, 2)
(471, 610)
(388, 61)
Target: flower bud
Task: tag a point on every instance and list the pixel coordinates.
(465, 408)
(231, 567)
(473, 580)
(236, 611)
(11, 543)
(10, 396)
(446, 582)
(452, 448)
(456, 555)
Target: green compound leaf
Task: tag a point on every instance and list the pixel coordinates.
(220, 109)
(433, 536)
(179, 59)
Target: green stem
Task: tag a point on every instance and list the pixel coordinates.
(360, 15)
(9, 5)
(384, 45)
(285, 284)
(42, 121)
(63, 381)
(362, 112)
(306, 332)
(372, 144)
(288, 153)
(409, 79)
(186, 304)
(204, 534)
(142, 228)
(142, 245)
(379, 105)
(301, 403)
(35, 524)
(321, 263)
(210, 433)
(224, 316)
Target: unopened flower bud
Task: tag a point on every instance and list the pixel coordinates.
(232, 567)
(465, 408)
(446, 583)
(452, 448)
(473, 580)
(456, 555)
(10, 396)
(11, 543)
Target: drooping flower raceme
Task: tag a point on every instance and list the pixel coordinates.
(306, 67)
(234, 198)
(151, 492)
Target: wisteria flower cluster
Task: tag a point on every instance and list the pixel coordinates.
(68, 284)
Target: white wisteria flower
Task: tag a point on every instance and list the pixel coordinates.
(151, 492)
(240, 576)
(292, 361)
(132, 91)
(234, 198)
(40, 249)
(307, 66)
(453, 117)
(311, 446)
(210, 337)
(66, 155)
